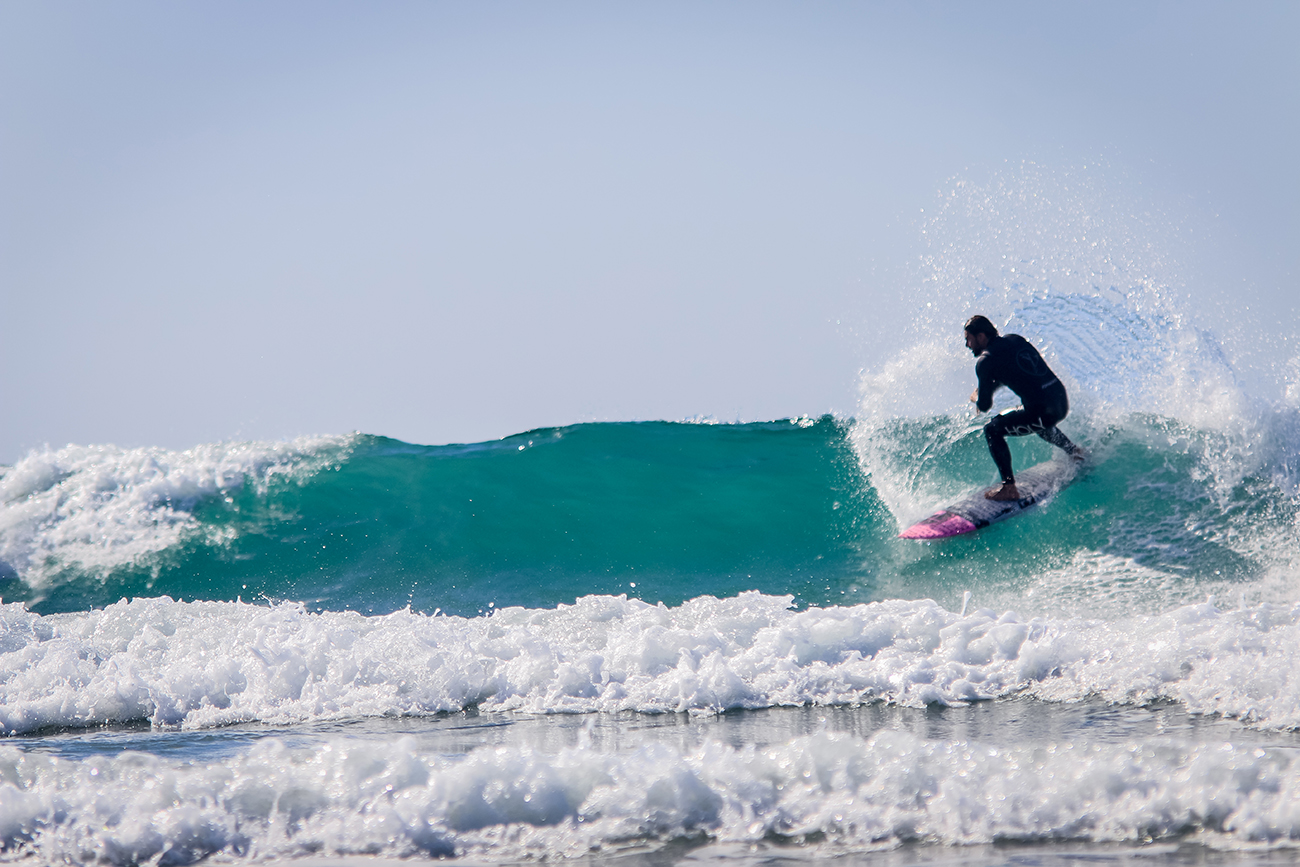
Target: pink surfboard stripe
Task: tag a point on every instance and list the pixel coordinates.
(940, 525)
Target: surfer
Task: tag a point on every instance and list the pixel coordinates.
(1012, 361)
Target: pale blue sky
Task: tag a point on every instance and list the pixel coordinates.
(451, 222)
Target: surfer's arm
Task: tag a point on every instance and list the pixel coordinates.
(982, 396)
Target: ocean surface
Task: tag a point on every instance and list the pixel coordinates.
(675, 643)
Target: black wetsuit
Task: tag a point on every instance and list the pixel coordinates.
(1012, 361)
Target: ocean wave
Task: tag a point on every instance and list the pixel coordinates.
(662, 511)
(833, 793)
(534, 519)
(200, 664)
(95, 509)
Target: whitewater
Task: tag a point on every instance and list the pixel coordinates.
(669, 642)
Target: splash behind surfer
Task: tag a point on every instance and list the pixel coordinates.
(1012, 361)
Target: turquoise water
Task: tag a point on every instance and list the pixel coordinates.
(657, 511)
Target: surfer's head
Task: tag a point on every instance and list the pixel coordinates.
(979, 331)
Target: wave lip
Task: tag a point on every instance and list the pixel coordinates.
(202, 664)
(833, 792)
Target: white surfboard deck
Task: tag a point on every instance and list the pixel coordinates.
(973, 510)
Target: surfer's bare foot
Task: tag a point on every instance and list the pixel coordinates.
(1003, 493)
(1079, 453)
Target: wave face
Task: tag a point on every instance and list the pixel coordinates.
(664, 511)
(1167, 513)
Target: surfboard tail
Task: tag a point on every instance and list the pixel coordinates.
(940, 525)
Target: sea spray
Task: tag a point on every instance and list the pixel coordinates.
(1181, 451)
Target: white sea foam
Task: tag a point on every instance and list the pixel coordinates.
(833, 792)
(99, 507)
(193, 665)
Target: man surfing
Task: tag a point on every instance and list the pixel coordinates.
(1012, 361)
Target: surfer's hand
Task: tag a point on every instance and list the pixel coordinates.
(975, 396)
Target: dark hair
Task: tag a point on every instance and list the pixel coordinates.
(980, 325)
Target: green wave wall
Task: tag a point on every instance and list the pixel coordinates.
(668, 511)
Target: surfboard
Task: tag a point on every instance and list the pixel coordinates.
(973, 511)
